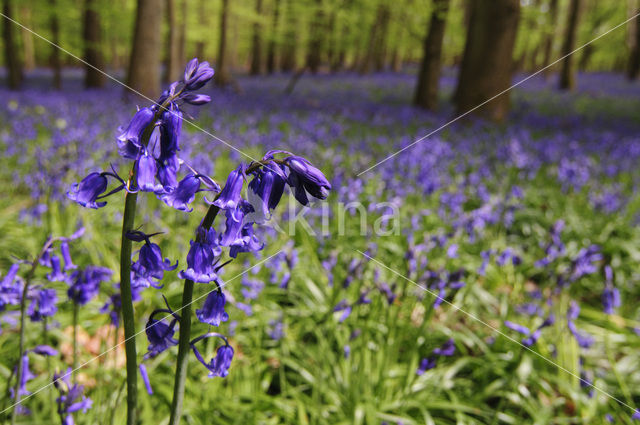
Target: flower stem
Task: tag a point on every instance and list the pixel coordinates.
(128, 318)
(75, 337)
(185, 334)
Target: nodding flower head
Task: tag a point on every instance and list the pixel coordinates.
(43, 305)
(170, 129)
(159, 333)
(88, 190)
(86, 283)
(234, 223)
(219, 365)
(197, 74)
(267, 186)
(71, 398)
(150, 265)
(212, 311)
(201, 258)
(184, 194)
(230, 195)
(129, 142)
(304, 177)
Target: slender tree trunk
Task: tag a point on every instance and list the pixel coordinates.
(11, 50)
(567, 72)
(549, 37)
(426, 95)
(93, 46)
(55, 52)
(27, 39)
(288, 58)
(488, 58)
(271, 50)
(222, 76)
(633, 69)
(256, 43)
(182, 35)
(145, 59)
(374, 55)
(314, 55)
(172, 69)
(380, 55)
(202, 23)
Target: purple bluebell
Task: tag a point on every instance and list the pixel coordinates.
(159, 333)
(129, 143)
(516, 327)
(170, 129)
(183, 194)
(234, 222)
(44, 350)
(71, 397)
(535, 336)
(197, 74)
(150, 265)
(212, 311)
(246, 241)
(56, 274)
(426, 363)
(446, 349)
(85, 284)
(145, 378)
(229, 197)
(267, 186)
(66, 256)
(219, 365)
(147, 170)
(43, 305)
(202, 257)
(10, 287)
(304, 177)
(26, 376)
(88, 190)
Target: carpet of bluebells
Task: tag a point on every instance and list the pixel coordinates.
(489, 274)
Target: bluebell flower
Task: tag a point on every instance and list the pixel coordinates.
(247, 241)
(168, 176)
(234, 222)
(170, 129)
(43, 305)
(66, 256)
(446, 349)
(201, 258)
(212, 311)
(88, 190)
(56, 274)
(145, 378)
(150, 265)
(71, 397)
(195, 99)
(516, 327)
(147, 170)
(44, 350)
(160, 334)
(427, 363)
(610, 299)
(85, 284)
(197, 74)
(10, 287)
(219, 365)
(26, 376)
(267, 186)
(304, 177)
(183, 194)
(129, 143)
(535, 335)
(229, 197)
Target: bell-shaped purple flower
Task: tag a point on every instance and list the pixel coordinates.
(201, 258)
(234, 222)
(229, 197)
(196, 99)
(10, 288)
(56, 275)
(212, 312)
(129, 144)
(43, 305)
(426, 363)
(168, 176)
(71, 397)
(66, 256)
(267, 187)
(147, 170)
(247, 241)
(304, 177)
(170, 134)
(88, 190)
(447, 349)
(159, 334)
(197, 74)
(184, 194)
(86, 283)
(26, 376)
(150, 265)
(219, 365)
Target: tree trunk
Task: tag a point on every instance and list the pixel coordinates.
(27, 39)
(271, 50)
(633, 69)
(374, 56)
(488, 58)
(314, 55)
(55, 52)
(426, 95)
(256, 44)
(223, 77)
(172, 68)
(93, 46)
(182, 35)
(567, 72)
(549, 37)
(11, 50)
(145, 59)
(202, 21)
(288, 58)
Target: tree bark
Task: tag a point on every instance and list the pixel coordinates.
(55, 52)
(549, 37)
(256, 44)
(202, 21)
(633, 69)
(567, 72)
(288, 58)
(271, 49)
(374, 56)
(182, 35)
(93, 46)
(145, 59)
(27, 39)
(11, 50)
(314, 54)
(488, 58)
(426, 95)
(223, 77)
(172, 68)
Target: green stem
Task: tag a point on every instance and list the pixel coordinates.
(75, 337)
(185, 333)
(128, 318)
